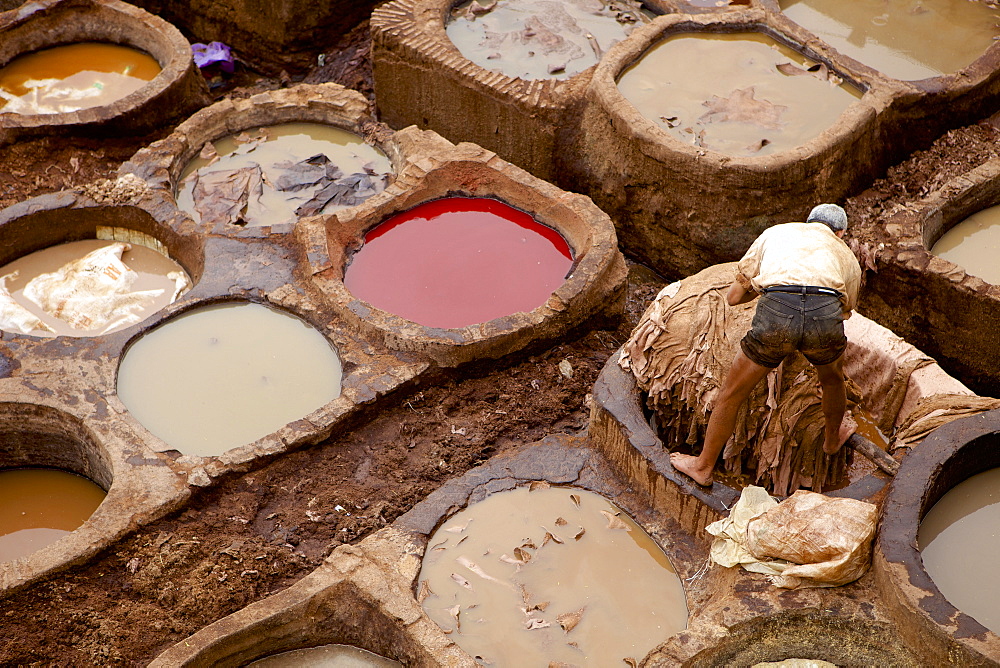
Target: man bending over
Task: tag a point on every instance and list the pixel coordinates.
(809, 281)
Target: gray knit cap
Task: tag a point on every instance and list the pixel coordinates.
(831, 214)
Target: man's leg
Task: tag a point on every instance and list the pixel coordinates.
(831, 377)
(743, 375)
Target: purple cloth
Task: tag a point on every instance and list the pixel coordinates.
(213, 53)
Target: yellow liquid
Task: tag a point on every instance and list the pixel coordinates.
(73, 77)
(227, 375)
(903, 39)
(630, 596)
(959, 542)
(725, 93)
(40, 506)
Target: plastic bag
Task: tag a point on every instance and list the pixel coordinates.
(213, 53)
(13, 316)
(827, 539)
(95, 291)
(807, 540)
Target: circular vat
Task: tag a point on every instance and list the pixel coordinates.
(271, 159)
(53, 476)
(940, 250)
(542, 574)
(526, 40)
(70, 269)
(450, 67)
(224, 375)
(109, 64)
(71, 77)
(348, 617)
(736, 127)
(458, 261)
(938, 495)
(972, 243)
(740, 94)
(811, 637)
(501, 220)
(272, 175)
(898, 38)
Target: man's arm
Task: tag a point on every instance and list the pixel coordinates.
(739, 295)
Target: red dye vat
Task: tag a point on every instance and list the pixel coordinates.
(458, 261)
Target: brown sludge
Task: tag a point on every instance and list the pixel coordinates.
(901, 38)
(540, 40)
(959, 541)
(974, 244)
(539, 575)
(740, 94)
(40, 506)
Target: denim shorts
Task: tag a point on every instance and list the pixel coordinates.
(785, 322)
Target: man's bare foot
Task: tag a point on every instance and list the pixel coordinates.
(691, 467)
(847, 427)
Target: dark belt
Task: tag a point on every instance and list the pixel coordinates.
(803, 290)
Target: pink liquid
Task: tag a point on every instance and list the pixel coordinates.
(459, 261)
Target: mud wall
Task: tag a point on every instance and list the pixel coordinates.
(422, 79)
(932, 302)
(271, 36)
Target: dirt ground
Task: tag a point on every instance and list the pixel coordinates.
(259, 532)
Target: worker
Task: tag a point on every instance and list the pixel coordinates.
(808, 281)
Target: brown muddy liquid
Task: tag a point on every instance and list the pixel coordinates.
(724, 92)
(327, 656)
(539, 39)
(151, 266)
(903, 39)
(868, 428)
(73, 77)
(859, 466)
(40, 506)
(226, 375)
(278, 144)
(490, 563)
(959, 541)
(974, 244)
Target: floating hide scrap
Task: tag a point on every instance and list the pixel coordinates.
(249, 186)
(541, 39)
